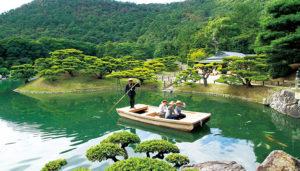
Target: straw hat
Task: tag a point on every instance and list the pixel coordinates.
(130, 79)
(171, 103)
(178, 102)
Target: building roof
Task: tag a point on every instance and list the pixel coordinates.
(218, 58)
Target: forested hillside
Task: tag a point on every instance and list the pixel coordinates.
(110, 28)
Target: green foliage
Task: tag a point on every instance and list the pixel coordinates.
(206, 70)
(188, 75)
(280, 37)
(218, 33)
(197, 54)
(96, 66)
(54, 165)
(142, 31)
(23, 72)
(177, 159)
(120, 49)
(66, 53)
(140, 73)
(105, 151)
(81, 169)
(123, 138)
(160, 147)
(246, 69)
(231, 80)
(19, 50)
(190, 169)
(4, 72)
(72, 64)
(169, 62)
(154, 65)
(141, 164)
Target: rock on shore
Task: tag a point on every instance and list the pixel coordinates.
(279, 161)
(285, 102)
(216, 166)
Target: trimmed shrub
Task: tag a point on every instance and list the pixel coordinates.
(105, 151)
(142, 164)
(177, 159)
(160, 147)
(123, 138)
(54, 165)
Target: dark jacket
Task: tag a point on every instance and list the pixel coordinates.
(130, 88)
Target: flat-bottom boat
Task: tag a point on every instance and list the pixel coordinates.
(148, 114)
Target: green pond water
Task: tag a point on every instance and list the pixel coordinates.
(39, 128)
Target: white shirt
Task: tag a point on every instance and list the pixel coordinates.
(162, 109)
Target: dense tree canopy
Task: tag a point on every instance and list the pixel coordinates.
(281, 36)
(110, 28)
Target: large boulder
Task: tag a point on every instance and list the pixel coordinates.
(216, 166)
(285, 102)
(279, 161)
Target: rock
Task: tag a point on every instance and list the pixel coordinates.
(216, 166)
(279, 161)
(284, 102)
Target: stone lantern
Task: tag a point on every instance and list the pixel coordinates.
(297, 81)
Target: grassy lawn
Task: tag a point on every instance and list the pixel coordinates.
(255, 93)
(77, 84)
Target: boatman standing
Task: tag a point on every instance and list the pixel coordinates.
(130, 90)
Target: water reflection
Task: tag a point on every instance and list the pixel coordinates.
(42, 128)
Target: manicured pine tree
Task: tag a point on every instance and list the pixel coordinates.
(281, 36)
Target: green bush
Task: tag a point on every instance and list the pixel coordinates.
(123, 138)
(141, 164)
(105, 151)
(54, 165)
(160, 147)
(177, 159)
(81, 169)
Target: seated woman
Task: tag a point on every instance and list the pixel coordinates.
(171, 113)
(163, 108)
(178, 108)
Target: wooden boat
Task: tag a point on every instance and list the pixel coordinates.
(166, 133)
(148, 114)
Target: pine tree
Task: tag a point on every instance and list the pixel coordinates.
(281, 36)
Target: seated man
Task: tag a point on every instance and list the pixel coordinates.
(178, 108)
(170, 113)
(163, 108)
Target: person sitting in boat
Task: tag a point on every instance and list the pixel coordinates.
(163, 108)
(178, 108)
(171, 111)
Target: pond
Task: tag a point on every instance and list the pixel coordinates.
(36, 129)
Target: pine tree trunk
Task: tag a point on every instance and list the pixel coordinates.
(205, 82)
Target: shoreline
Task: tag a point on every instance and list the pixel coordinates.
(220, 95)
